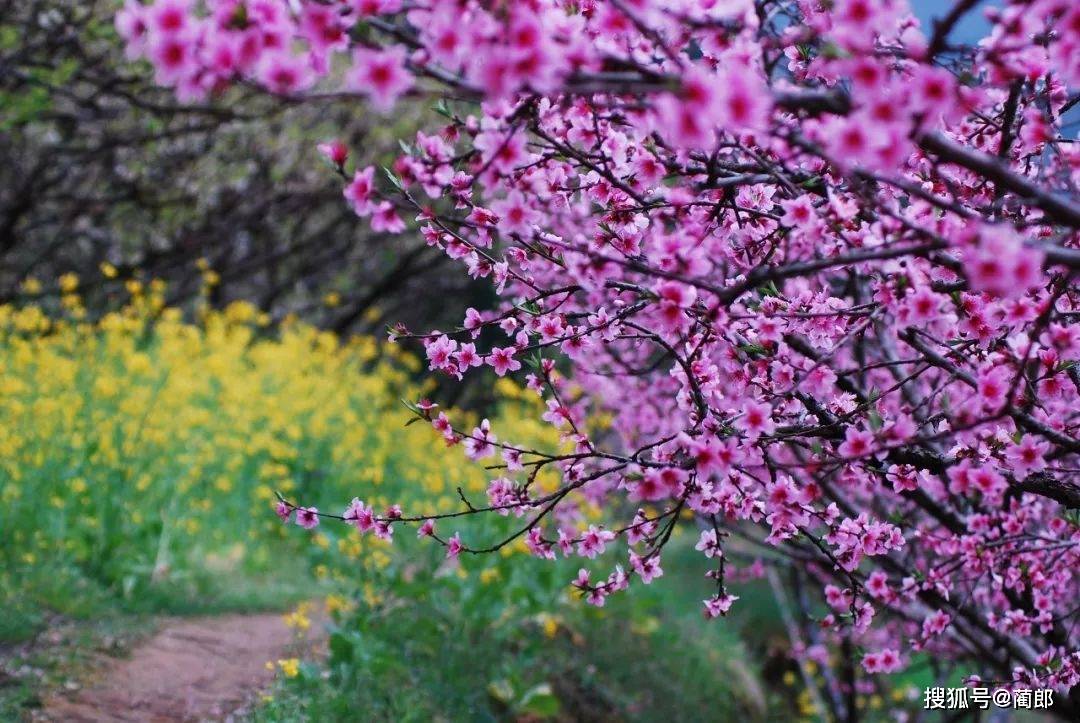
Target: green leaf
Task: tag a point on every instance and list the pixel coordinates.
(540, 701)
(394, 180)
(834, 51)
(341, 648)
(501, 690)
(875, 420)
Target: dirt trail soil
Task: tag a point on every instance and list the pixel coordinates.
(192, 669)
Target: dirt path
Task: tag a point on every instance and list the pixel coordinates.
(192, 669)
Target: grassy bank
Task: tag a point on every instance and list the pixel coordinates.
(139, 459)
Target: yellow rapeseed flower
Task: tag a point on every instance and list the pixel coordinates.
(298, 620)
(183, 431)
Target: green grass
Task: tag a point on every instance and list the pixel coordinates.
(57, 622)
(32, 597)
(54, 625)
(447, 656)
(157, 499)
(435, 647)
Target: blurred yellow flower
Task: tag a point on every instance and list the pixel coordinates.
(290, 667)
(298, 620)
(337, 603)
(147, 433)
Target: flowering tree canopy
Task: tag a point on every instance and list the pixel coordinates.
(812, 264)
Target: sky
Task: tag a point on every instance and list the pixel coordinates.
(972, 27)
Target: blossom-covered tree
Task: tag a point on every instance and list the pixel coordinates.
(815, 262)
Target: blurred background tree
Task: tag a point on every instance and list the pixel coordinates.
(222, 200)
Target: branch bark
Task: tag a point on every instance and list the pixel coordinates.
(1057, 208)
